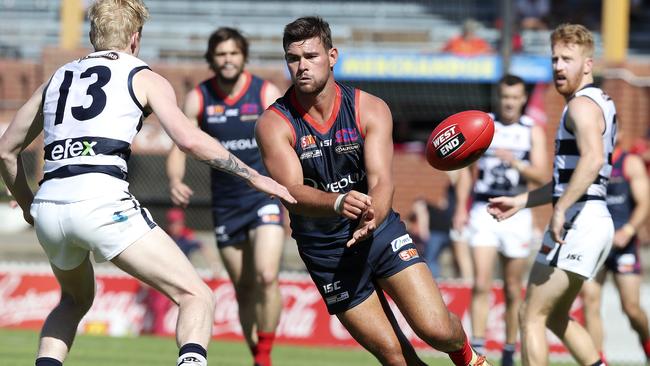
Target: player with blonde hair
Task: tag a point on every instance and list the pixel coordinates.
(90, 110)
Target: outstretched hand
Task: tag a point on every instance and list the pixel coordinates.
(504, 207)
(180, 194)
(366, 227)
(269, 186)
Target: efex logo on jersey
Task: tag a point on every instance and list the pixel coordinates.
(86, 146)
(71, 149)
(448, 141)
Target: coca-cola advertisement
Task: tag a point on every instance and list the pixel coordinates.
(123, 306)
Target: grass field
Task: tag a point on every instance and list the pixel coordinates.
(17, 347)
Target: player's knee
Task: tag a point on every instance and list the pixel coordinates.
(481, 286)
(78, 304)
(441, 334)
(513, 294)
(391, 354)
(267, 278)
(631, 309)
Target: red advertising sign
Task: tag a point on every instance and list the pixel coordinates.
(123, 306)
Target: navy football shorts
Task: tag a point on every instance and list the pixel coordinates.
(233, 224)
(625, 260)
(345, 279)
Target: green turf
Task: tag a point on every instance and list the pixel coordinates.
(17, 347)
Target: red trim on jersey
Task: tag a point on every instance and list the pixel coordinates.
(229, 101)
(285, 119)
(357, 112)
(265, 103)
(322, 128)
(199, 116)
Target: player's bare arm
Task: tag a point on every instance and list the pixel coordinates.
(504, 207)
(537, 171)
(377, 121)
(634, 169)
(586, 121)
(377, 126)
(180, 192)
(23, 129)
(155, 91)
(276, 141)
(463, 189)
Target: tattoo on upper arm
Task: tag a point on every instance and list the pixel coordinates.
(229, 165)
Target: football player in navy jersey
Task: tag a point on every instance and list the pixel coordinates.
(629, 204)
(248, 224)
(90, 110)
(580, 231)
(331, 145)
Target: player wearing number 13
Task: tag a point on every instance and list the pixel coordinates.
(90, 110)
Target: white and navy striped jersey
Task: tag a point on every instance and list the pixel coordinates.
(91, 115)
(495, 176)
(567, 153)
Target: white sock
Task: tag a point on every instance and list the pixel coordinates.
(191, 359)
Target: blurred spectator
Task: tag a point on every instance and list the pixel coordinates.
(533, 14)
(468, 43)
(156, 303)
(432, 229)
(433, 223)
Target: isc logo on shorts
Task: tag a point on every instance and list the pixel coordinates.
(400, 242)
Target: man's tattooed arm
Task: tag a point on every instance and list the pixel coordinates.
(230, 165)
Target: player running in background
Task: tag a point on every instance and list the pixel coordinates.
(629, 204)
(581, 230)
(331, 145)
(516, 160)
(248, 224)
(90, 109)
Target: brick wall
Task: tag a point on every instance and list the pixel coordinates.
(413, 176)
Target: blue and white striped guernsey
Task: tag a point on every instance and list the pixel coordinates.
(567, 153)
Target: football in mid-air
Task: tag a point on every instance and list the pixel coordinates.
(460, 140)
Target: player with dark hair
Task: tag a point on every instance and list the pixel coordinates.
(515, 160)
(248, 224)
(331, 145)
(580, 233)
(90, 110)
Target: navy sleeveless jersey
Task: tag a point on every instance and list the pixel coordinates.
(619, 194)
(332, 160)
(232, 122)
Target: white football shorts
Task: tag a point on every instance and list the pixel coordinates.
(587, 241)
(512, 237)
(105, 226)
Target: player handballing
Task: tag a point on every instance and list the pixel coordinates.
(580, 232)
(248, 224)
(331, 145)
(90, 110)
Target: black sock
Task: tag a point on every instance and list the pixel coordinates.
(507, 358)
(47, 361)
(194, 348)
(598, 363)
